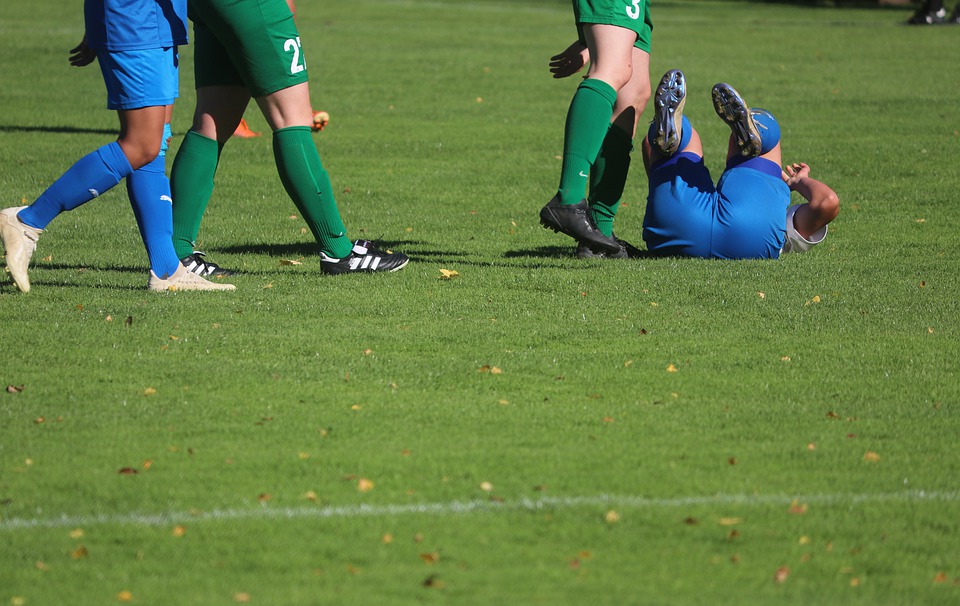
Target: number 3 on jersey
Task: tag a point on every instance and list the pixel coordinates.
(297, 63)
(634, 11)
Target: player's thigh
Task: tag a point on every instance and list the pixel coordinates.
(253, 42)
(633, 15)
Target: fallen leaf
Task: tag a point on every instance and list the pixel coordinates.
(76, 533)
(14, 388)
(762, 295)
(364, 485)
(179, 530)
(150, 391)
(128, 471)
(241, 597)
(263, 497)
(124, 596)
(871, 457)
(730, 521)
(430, 558)
(290, 262)
(433, 582)
(486, 486)
(940, 577)
(310, 495)
(386, 539)
(79, 553)
(671, 368)
(781, 575)
(611, 517)
(448, 274)
(798, 508)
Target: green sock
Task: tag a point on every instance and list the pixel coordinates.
(308, 184)
(588, 120)
(191, 185)
(609, 177)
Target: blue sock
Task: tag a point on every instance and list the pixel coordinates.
(149, 191)
(91, 176)
(686, 130)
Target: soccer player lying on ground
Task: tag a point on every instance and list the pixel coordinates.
(135, 42)
(244, 49)
(615, 36)
(747, 214)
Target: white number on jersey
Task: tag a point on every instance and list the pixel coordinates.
(297, 65)
(634, 11)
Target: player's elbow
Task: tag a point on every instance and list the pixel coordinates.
(830, 206)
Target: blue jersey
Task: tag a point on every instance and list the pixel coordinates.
(116, 25)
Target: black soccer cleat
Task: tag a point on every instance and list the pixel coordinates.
(627, 251)
(733, 110)
(924, 17)
(574, 220)
(363, 257)
(195, 263)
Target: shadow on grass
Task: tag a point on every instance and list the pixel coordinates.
(58, 129)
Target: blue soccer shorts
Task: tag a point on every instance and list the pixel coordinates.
(140, 78)
(743, 216)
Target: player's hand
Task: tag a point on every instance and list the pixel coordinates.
(570, 61)
(82, 55)
(793, 173)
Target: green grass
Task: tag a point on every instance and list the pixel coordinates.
(810, 428)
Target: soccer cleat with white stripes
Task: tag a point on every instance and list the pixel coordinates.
(363, 257)
(197, 264)
(183, 279)
(19, 242)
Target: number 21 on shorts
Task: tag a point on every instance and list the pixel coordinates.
(633, 11)
(297, 62)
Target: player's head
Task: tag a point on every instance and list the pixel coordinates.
(768, 127)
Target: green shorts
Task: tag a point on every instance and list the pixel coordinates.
(252, 43)
(630, 14)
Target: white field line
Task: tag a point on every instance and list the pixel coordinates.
(624, 502)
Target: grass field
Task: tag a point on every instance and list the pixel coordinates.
(538, 429)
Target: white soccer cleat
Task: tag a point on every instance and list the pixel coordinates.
(19, 242)
(183, 279)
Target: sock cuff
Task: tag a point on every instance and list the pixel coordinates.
(199, 139)
(601, 88)
(290, 130)
(157, 165)
(113, 158)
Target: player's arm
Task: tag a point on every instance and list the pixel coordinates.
(570, 61)
(82, 55)
(823, 204)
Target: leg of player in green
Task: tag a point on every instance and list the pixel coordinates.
(251, 49)
(616, 37)
(609, 175)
